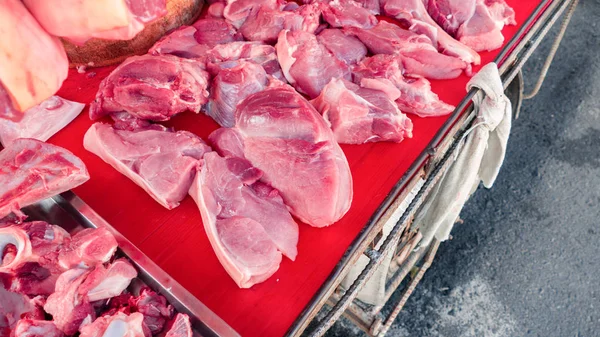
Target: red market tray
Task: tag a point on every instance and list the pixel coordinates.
(176, 240)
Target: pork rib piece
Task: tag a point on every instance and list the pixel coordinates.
(347, 13)
(27, 78)
(36, 328)
(105, 19)
(246, 221)
(118, 324)
(14, 307)
(412, 95)
(483, 30)
(256, 52)
(265, 24)
(234, 81)
(345, 47)
(281, 134)
(31, 171)
(307, 64)
(152, 87)
(87, 248)
(42, 121)
(161, 162)
(181, 327)
(360, 115)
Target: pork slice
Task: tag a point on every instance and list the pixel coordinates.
(141, 155)
(347, 13)
(42, 121)
(14, 307)
(345, 47)
(451, 14)
(118, 324)
(483, 30)
(256, 52)
(181, 43)
(181, 327)
(307, 64)
(237, 11)
(155, 309)
(360, 115)
(264, 24)
(235, 81)
(87, 248)
(31, 171)
(152, 87)
(36, 328)
(106, 282)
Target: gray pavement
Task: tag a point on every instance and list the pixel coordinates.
(526, 260)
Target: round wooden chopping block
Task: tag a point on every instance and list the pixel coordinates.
(98, 52)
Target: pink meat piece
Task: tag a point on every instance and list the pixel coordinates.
(237, 11)
(106, 282)
(360, 115)
(36, 328)
(451, 14)
(412, 95)
(152, 87)
(372, 6)
(483, 30)
(181, 327)
(14, 307)
(119, 324)
(104, 19)
(31, 170)
(256, 52)
(265, 24)
(42, 121)
(280, 133)
(431, 64)
(234, 81)
(306, 63)
(161, 162)
(347, 13)
(87, 248)
(181, 43)
(68, 307)
(216, 9)
(155, 309)
(415, 13)
(27, 78)
(345, 47)
(212, 31)
(246, 221)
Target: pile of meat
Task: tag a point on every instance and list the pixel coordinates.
(288, 83)
(55, 284)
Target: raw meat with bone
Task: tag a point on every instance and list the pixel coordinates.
(27, 78)
(181, 327)
(119, 324)
(345, 47)
(347, 13)
(14, 307)
(358, 115)
(36, 328)
(42, 121)
(31, 171)
(483, 30)
(152, 87)
(412, 95)
(281, 134)
(256, 52)
(141, 156)
(87, 248)
(265, 24)
(107, 282)
(105, 19)
(451, 14)
(246, 221)
(307, 64)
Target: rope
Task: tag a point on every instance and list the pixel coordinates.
(553, 50)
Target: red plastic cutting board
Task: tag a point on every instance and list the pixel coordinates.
(176, 239)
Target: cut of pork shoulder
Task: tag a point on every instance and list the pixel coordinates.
(105, 19)
(347, 13)
(234, 81)
(152, 87)
(36, 328)
(306, 63)
(155, 309)
(256, 52)
(106, 282)
(245, 220)
(412, 95)
(31, 170)
(162, 162)
(42, 121)
(282, 134)
(237, 11)
(181, 327)
(360, 115)
(15, 306)
(181, 43)
(264, 24)
(27, 77)
(87, 248)
(483, 30)
(345, 47)
(451, 14)
(119, 324)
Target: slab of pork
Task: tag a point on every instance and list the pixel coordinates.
(265, 24)
(256, 52)
(118, 324)
(87, 248)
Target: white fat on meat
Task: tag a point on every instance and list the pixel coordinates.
(359, 115)
(141, 155)
(27, 77)
(14, 306)
(107, 282)
(41, 121)
(36, 328)
(117, 325)
(31, 170)
(181, 327)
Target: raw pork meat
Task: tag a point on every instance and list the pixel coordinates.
(106, 19)
(264, 24)
(246, 221)
(451, 14)
(107, 282)
(212, 31)
(345, 47)
(155, 309)
(14, 307)
(307, 64)
(42, 121)
(415, 13)
(412, 95)
(347, 13)
(234, 81)
(119, 324)
(27, 77)
(419, 56)
(483, 30)
(143, 155)
(281, 134)
(181, 327)
(152, 87)
(87, 248)
(36, 328)
(181, 43)
(237, 11)
(31, 171)
(359, 115)
(256, 52)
